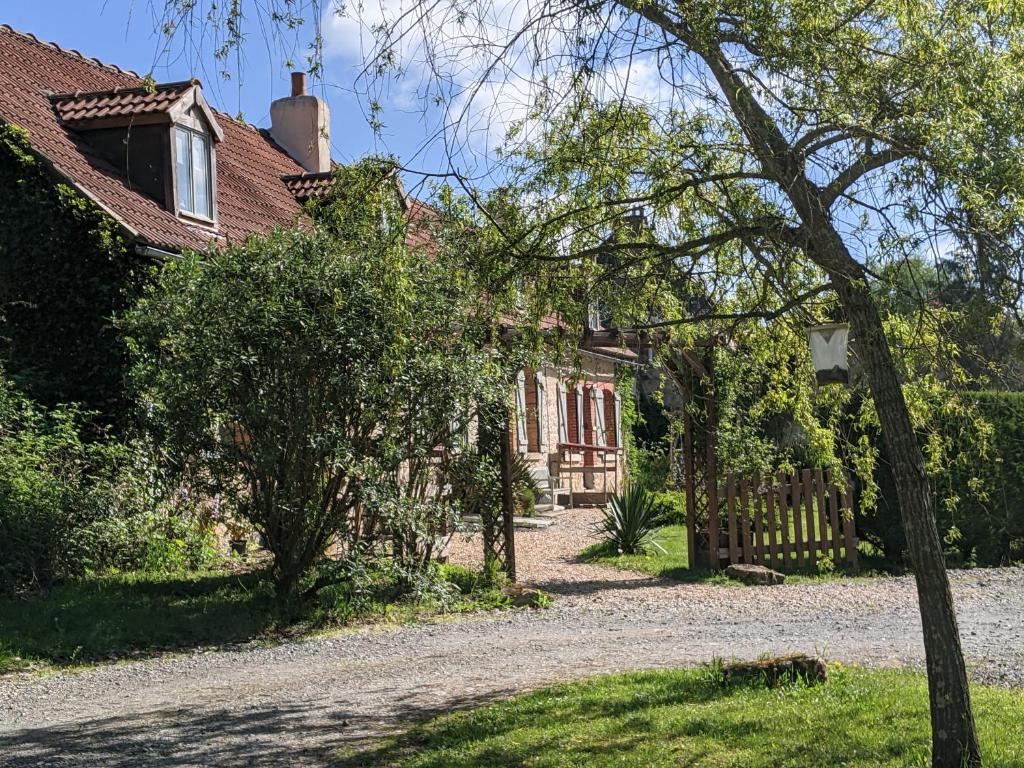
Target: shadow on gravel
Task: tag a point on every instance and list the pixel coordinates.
(294, 735)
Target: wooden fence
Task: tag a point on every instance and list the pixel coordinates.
(788, 521)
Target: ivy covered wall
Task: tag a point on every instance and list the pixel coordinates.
(65, 273)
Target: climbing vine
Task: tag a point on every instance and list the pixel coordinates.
(65, 274)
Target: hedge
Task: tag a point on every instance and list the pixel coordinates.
(979, 492)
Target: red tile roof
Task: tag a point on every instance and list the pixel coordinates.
(251, 196)
(74, 107)
(309, 185)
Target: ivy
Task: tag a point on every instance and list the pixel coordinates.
(66, 273)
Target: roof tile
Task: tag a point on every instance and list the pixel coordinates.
(251, 196)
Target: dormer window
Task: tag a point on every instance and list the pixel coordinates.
(162, 139)
(192, 172)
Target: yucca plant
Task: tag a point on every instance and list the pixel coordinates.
(630, 520)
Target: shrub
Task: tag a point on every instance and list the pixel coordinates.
(978, 485)
(630, 520)
(310, 372)
(671, 507)
(70, 506)
(980, 489)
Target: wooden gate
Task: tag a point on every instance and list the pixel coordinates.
(787, 521)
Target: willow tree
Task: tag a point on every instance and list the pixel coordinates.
(788, 147)
(782, 151)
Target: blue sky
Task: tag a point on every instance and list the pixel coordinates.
(123, 32)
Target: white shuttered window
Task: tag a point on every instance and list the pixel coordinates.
(521, 412)
(563, 413)
(542, 437)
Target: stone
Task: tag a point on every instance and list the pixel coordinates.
(755, 574)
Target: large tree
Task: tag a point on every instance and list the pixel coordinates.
(799, 142)
(782, 151)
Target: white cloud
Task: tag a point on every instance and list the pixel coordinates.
(473, 74)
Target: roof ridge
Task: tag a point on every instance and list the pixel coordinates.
(157, 87)
(72, 51)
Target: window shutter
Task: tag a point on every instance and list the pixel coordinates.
(579, 414)
(563, 410)
(521, 411)
(542, 436)
(618, 419)
(601, 436)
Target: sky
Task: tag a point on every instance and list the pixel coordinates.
(123, 32)
(484, 102)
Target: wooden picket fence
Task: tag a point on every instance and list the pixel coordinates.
(788, 521)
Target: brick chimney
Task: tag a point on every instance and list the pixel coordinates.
(300, 123)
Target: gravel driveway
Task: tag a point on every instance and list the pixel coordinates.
(297, 704)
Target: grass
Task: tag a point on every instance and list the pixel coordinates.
(672, 561)
(139, 614)
(859, 719)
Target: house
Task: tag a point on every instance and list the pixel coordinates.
(103, 173)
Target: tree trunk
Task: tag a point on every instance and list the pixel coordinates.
(954, 742)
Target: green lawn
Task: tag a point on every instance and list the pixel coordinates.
(673, 562)
(859, 719)
(101, 618)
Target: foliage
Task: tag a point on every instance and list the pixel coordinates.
(981, 487)
(310, 371)
(629, 520)
(671, 506)
(68, 507)
(65, 273)
(860, 719)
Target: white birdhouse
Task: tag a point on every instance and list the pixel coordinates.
(828, 352)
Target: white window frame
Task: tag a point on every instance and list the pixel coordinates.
(597, 399)
(521, 412)
(580, 428)
(618, 419)
(563, 413)
(208, 141)
(542, 439)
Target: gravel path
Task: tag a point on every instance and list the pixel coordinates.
(297, 704)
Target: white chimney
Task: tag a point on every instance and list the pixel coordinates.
(300, 123)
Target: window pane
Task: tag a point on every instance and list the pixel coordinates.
(183, 169)
(201, 175)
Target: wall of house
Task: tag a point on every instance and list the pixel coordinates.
(588, 473)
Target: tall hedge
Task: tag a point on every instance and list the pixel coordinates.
(981, 491)
(979, 487)
(65, 272)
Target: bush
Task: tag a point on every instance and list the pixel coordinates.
(978, 486)
(630, 520)
(70, 506)
(981, 488)
(671, 507)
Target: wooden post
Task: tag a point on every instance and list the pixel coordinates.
(508, 505)
(691, 485)
(784, 520)
(822, 533)
(833, 508)
(758, 520)
(769, 503)
(745, 518)
(711, 463)
(730, 492)
(798, 528)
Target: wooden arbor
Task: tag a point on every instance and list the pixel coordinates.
(696, 464)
